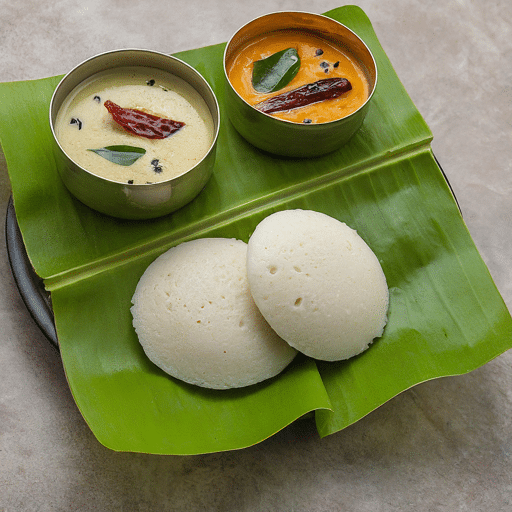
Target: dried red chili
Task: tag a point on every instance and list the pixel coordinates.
(320, 90)
(142, 124)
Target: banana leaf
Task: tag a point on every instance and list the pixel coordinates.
(446, 316)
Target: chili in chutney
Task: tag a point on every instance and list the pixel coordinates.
(322, 65)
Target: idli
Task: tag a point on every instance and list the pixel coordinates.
(196, 319)
(317, 283)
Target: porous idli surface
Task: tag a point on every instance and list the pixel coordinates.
(317, 283)
(196, 319)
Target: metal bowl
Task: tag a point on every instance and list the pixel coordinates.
(124, 200)
(284, 137)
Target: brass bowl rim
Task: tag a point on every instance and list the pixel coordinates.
(215, 115)
(313, 15)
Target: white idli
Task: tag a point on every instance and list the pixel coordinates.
(317, 283)
(196, 319)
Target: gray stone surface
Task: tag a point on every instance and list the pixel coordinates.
(444, 445)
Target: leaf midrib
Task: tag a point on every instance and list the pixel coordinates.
(201, 228)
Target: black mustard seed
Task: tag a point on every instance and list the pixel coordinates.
(156, 165)
(75, 120)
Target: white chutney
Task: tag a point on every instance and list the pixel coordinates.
(83, 124)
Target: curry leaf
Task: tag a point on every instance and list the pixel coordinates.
(122, 155)
(274, 72)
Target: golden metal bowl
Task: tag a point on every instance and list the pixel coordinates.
(289, 138)
(124, 200)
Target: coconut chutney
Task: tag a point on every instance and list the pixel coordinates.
(84, 126)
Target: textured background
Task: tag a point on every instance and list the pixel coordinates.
(444, 445)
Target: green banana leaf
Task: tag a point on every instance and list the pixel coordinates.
(446, 316)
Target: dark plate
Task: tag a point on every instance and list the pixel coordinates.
(30, 285)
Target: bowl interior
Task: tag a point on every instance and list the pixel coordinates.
(133, 57)
(124, 199)
(319, 25)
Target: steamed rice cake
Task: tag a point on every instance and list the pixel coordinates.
(196, 319)
(317, 283)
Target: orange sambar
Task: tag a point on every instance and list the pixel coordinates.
(319, 59)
